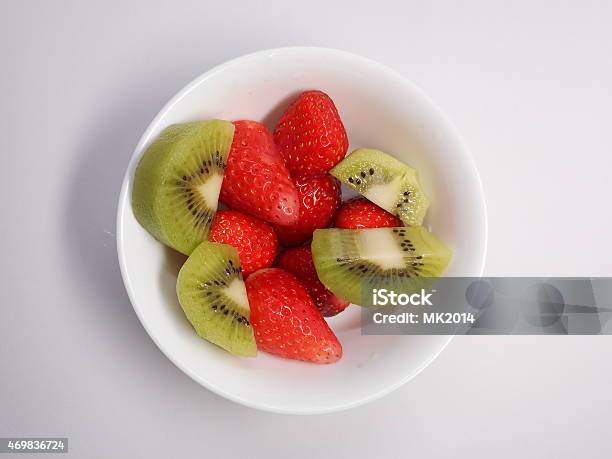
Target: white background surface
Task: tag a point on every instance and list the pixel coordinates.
(527, 84)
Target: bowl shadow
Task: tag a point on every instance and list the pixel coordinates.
(173, 261)
(277, 111)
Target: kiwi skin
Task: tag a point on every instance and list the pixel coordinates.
(202, 286)
(178, 153)
(351, 271)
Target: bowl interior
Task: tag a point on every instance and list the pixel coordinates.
(380, 109)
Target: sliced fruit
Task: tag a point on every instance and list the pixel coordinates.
(361, 213)
(286, 321)
(310, 135)
(256, 180)
(298, 261)
(385, 181)
(351, 263)
(253, 238)
(319, 199)
(177, 182)
(212, 294)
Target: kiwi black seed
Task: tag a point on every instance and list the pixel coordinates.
(213, 296)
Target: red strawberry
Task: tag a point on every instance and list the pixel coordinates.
(256, 180)
(319, 199)
(298, 261)
(285, 320)
(310, 135)
(254, 239)
(361, 213)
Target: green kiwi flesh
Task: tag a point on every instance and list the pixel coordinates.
(385, 181)
(178, 180)
(212, 294)
(351, 263)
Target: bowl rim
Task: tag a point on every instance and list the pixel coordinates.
(447, 124)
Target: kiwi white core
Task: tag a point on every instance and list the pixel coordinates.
(379, 246)
(210, 189)
(385, 195)
(236, 291)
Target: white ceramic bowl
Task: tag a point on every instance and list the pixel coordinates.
(380, 109)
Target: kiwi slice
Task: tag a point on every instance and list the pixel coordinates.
(178, 179)
(385, 181)
(351, 263)
(212, 294)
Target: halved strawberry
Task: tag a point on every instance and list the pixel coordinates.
(298, 261)
(319, 199)
(285, 320)
(361, 213)
(253, 238)
(310, 135)
(256, 180)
